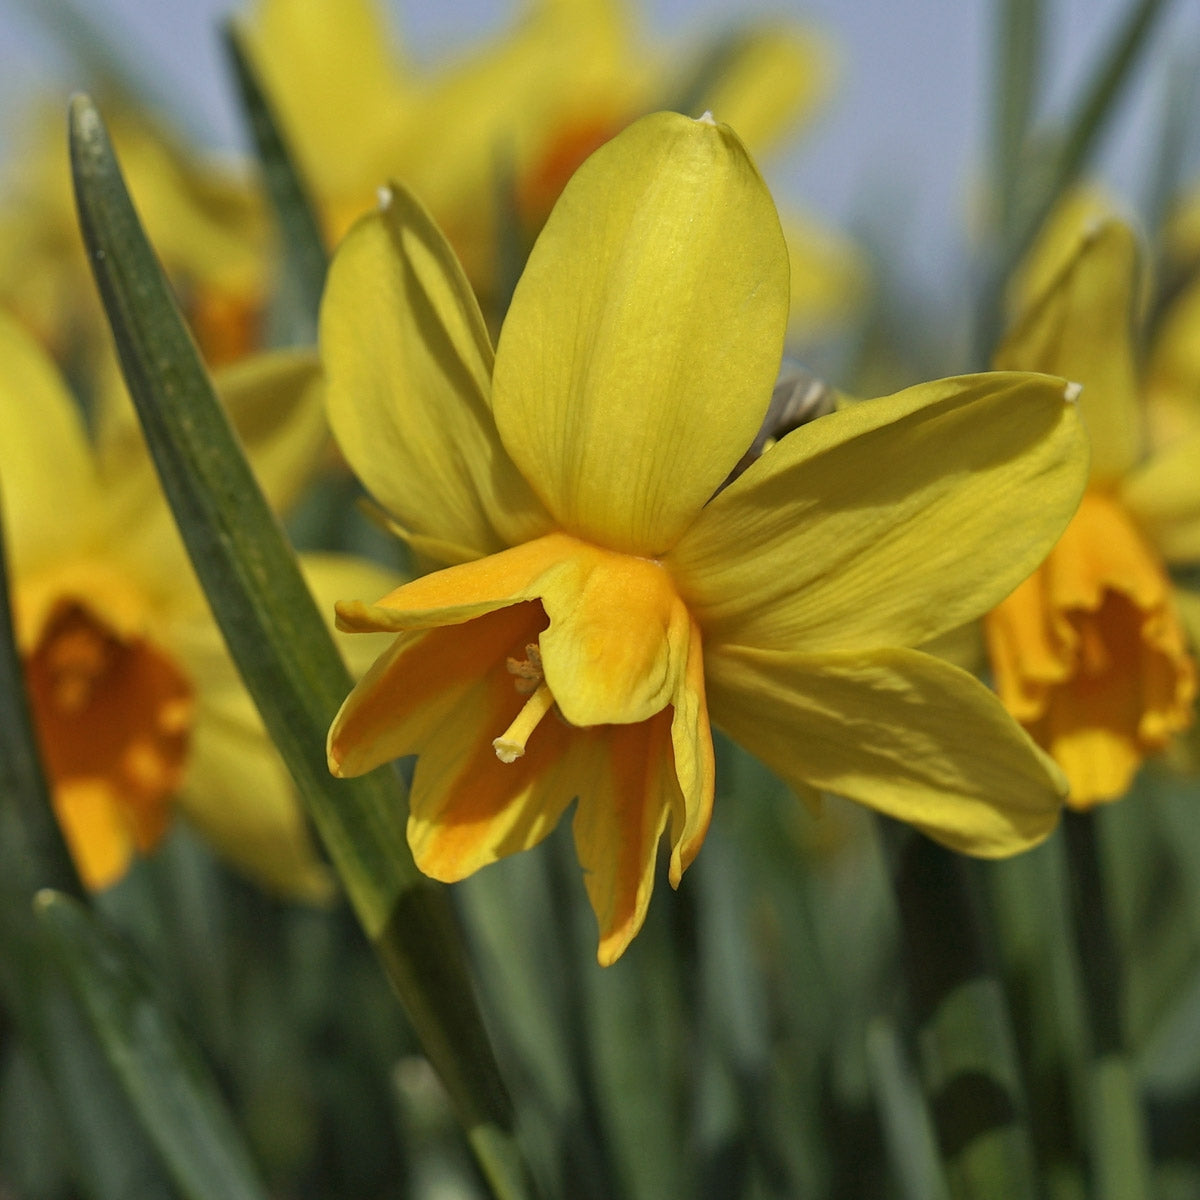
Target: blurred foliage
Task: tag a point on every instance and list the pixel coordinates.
(827, 1008)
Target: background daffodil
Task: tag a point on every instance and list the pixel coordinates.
(521, 112)
(206, 222)
(599, 601)
(137, 705)
(1089, 652)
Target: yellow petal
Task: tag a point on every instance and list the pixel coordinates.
(331, 576)
(768, 80)
(616, 649)
(444, 694)
(695, 769)
(47, 476)
(236, 790)
(897, 730)
(644, 337)
(463, 592)
(1172, 371)
(1082, 328)
(889, 522)
(239, 796)
(1089, 655)
(114, 716)
(1075, 216)
(274, 400)
(617, 646)
(621, 816)
(334, 76)
(96, 830)
(408, 364)
(420, 682)
(1163, 495)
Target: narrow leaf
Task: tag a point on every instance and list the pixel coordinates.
(304, 259)
(968, 1057)
(164, 1076)
(1018, 69)
(100, 1143)
(283, 650)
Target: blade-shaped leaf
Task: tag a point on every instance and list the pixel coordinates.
(283, 650)
(968, 1057)
(304, 259)
(164, 1077)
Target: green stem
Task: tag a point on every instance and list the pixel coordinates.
(1116, 1123)
(967, 1052)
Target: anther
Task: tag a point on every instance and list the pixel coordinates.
(527, 670)
(510, 745)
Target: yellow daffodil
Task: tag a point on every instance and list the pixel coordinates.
(202, 216)
(1089, 653)
(600, 601)
(527, 107)
(136, 703)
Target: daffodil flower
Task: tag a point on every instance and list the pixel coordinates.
(136, 703)
(601, 602)
(206, 222)
(528, 106)
(1089, 652)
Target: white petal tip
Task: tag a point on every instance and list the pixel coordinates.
(706, 118)
(506, 751)
(383, 198)
(1071, 392)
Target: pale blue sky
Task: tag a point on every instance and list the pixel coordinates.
(901, 142)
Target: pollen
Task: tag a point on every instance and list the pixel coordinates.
(527, 671)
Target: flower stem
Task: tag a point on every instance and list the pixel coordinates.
(967, 1053)
(1116, 1122)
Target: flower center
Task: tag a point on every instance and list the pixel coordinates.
(528, 680)
(113, 716)
(227, 325)
(1089, 654)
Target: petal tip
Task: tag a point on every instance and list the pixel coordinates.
(1072, 392)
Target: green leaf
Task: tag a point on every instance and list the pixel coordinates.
(284, 652)
(1117, 1139)
(304, 259)
(968, 1057)
(163, 1075)
(98, 1140)
(1018, 70)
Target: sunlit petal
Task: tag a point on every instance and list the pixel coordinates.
(46, 467)
(898, 731)
(1163, 495)
(766, 80)
(408, 364)
(632, 791)
(1082, 328)
(623, 411)
(818, 547)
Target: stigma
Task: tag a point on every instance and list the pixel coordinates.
(510, 745)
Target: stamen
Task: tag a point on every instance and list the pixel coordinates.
(528, 671)
(510, 745)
